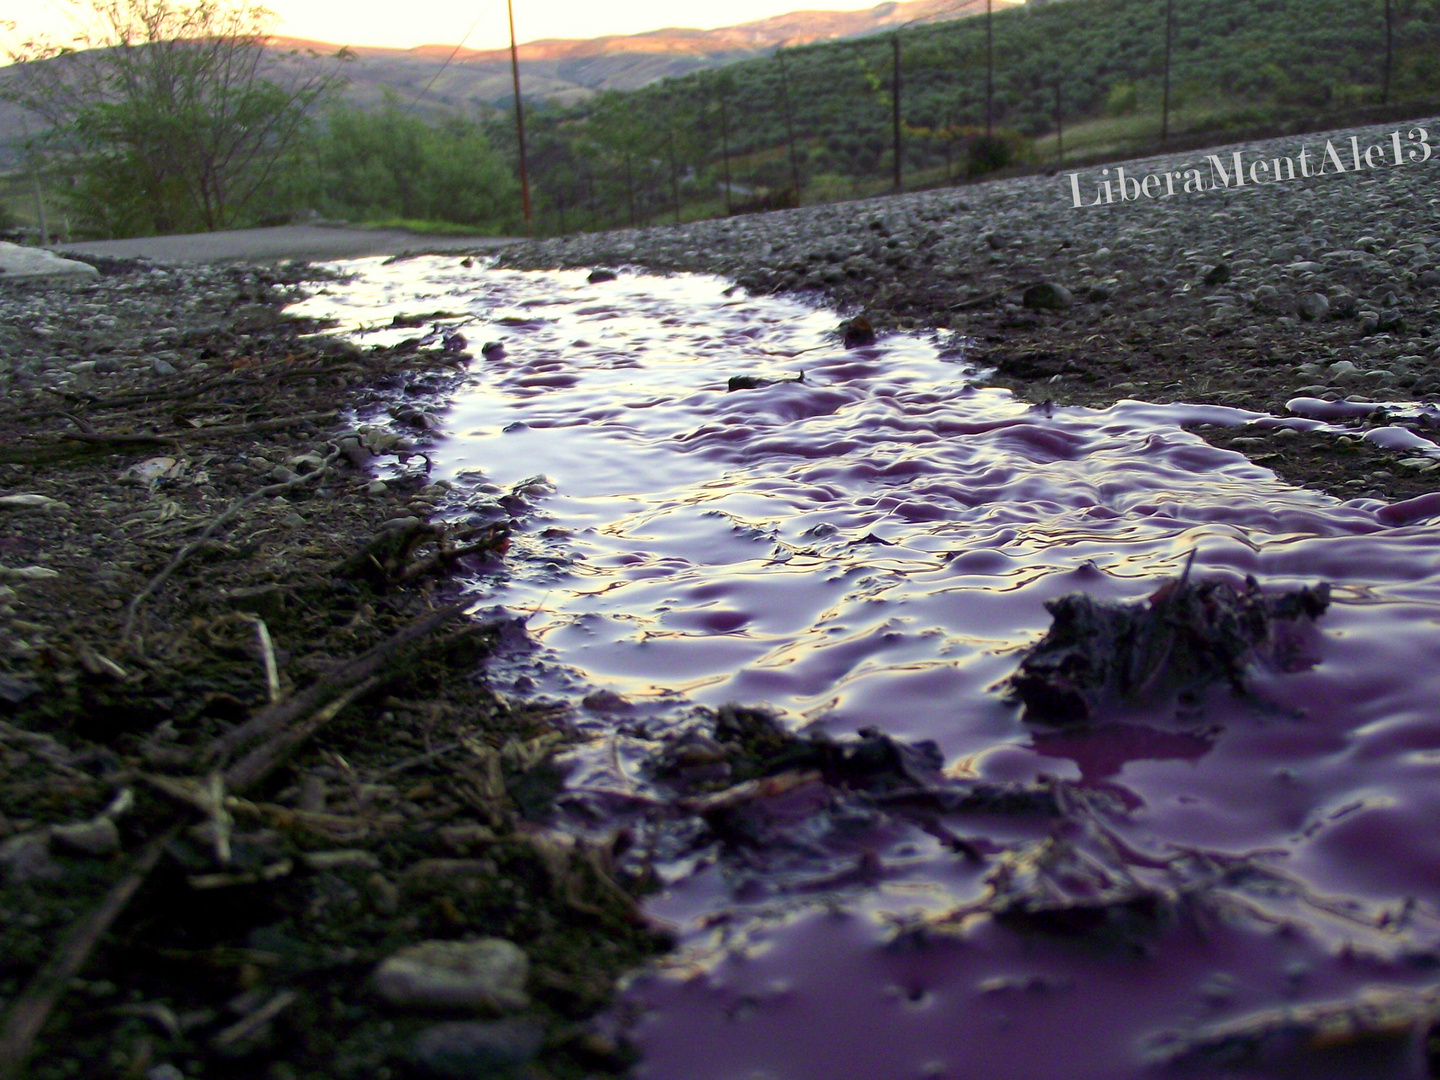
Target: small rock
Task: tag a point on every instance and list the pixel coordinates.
(27, 573)
(1098, 294)
(1047, 296)
(606, 701)
(106, 365)
(465, 1050)
(27, 858)
(162, 367)
(151, 469)
(1343, 306)
(600, 274)
(99, 838)
(1428, 279)
(383, 893)
(1217, 274)
(1369, 322)
(353, 449)
(492, 349)
(1390, 322)
(1267, 297)
(1312, 306)
(488, 973)
(29, 502)
(997, 240)
(857, 332)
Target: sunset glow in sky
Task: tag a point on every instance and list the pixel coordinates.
(422, 22)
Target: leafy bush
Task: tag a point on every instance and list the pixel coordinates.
(986, 153)
(171, 118)
(392, 164)
(1122, 99)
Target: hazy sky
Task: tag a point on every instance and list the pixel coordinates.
(404, 23)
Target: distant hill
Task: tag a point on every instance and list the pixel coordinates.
(568, 70)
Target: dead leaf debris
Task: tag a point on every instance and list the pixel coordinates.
(1184, 637)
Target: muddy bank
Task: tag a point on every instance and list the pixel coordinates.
(1250, 296)
(235, 692)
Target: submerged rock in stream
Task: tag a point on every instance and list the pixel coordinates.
(1183, 637)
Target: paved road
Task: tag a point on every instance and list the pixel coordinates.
(312, 242)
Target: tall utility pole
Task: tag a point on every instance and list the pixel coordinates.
(1059, 124)
(1165, 102)
(989, 67)
(674, 174)
(40, 207)
(725, 147)
(789, 124)
(34, 164)
(895, 106)
(1389, 51)
(519, 118)
(630, 188)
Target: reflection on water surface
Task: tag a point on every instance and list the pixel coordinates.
(871, 546)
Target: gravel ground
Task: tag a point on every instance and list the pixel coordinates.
(232, 684)
(1322, 286)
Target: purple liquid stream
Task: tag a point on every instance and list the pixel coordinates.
(873, 546)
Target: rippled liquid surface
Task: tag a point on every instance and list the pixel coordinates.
(873, 546)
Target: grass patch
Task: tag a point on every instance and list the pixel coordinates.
(430, 228)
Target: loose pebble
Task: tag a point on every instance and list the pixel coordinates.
(487, 974)
(465, 1050)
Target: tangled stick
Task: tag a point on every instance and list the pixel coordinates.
(284, 728)
(132, 611)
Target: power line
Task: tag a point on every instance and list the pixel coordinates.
(454, 53)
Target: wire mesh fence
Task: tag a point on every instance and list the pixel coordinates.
(1032, 86)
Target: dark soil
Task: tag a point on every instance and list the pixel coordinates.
(416, 812)
(1345, 466)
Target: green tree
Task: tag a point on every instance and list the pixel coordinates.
(168, 117)
(390, 163)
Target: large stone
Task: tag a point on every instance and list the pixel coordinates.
(1267, 298)
(467, 1050)
(487, 975)
(1047, 296)
(98, 838)
(1217, 274)
(1343, 306)
(1312, 306)
(36, 264)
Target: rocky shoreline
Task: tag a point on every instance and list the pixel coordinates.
(1323, 286)
(260, 812)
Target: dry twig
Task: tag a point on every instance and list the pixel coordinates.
(133, 610)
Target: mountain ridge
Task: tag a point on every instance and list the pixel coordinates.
(566, 70)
